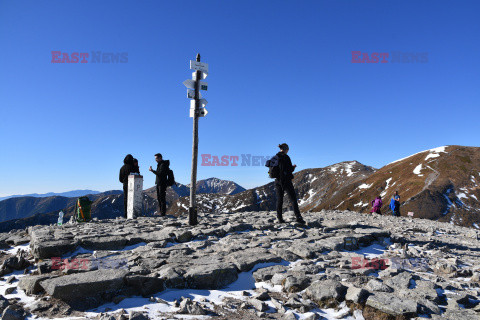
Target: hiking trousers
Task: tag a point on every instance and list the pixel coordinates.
(280, 189)
(161, 197)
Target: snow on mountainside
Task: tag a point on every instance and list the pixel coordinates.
(313, 186)
(215, 185)
(440, 184)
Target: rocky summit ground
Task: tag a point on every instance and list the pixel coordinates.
(341, 265)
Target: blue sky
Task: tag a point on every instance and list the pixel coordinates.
(280, 71)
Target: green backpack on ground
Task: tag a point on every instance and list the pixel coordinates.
(83, 207)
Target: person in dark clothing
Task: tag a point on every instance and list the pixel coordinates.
(284, 183)
(163, 167)
(136, 166)
(125, 171)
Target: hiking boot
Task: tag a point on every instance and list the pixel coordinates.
(280, 219)
(300, 220)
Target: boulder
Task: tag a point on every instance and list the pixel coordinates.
(326, 290)
(12, 314)
(259, 305)
(144, 285)
(295, 284)
(357, 295)
(31, 284)
(51, 248)
(87, 284)
(378, 286)
(103, 243)
(211, 276)
(265, 274)
(392, 305)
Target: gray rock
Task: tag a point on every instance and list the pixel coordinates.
(87, 284)
(400, 281)
(12, 314)
(326, 290)
(187, 306)
(259, 305)
(357, 295)
(295, 284)
(211, 276)
(51, 248)
(378, 286)
(137, 315)
(265, 274)
(3, 303)
(392, 305)
(245, 260)
(31, 284)
(103, 243)
(144, 285)
(10, 290)
(460, 314)
(184, 236)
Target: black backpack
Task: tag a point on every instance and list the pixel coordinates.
(170, 178)
(273, 168)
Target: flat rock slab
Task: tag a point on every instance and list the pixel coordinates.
(211, 276)
(245, 260)
(392, 305)
(86, 284)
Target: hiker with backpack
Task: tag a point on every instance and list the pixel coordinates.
(164, 178)
(281, 169)
(395, 204)
(127, 168)
(377, 205)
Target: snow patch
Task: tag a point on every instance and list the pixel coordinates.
(365, 186)
(417, 169)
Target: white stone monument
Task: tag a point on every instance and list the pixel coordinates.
(135, 200)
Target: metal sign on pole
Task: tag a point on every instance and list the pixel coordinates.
(197, 109)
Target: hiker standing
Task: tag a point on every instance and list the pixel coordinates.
(395, 204)
(284, 183)
(161, 182)
(125, 171)
(377, 205)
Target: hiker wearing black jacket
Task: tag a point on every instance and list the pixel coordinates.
(284, 183)
(125, 171)
(163, 167)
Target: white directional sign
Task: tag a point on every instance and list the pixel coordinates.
(201, 66)
(191, 94)
(189, 83)
(203, 103)
(202, 77)
(202, 112)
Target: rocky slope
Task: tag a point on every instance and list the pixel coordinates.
(244, 266)
(313, 186)
(441, 184)
(215, 185)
